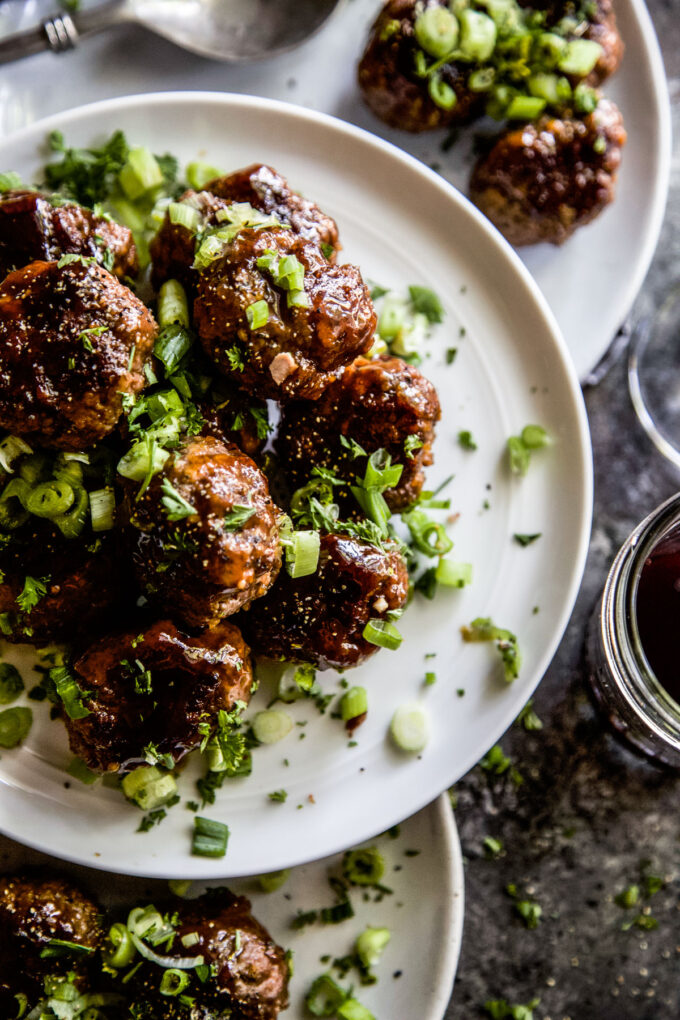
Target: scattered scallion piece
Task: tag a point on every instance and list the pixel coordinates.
(14, 726)
(148, 787)
(466, 441)
(354, 703)
(184, 215)
(210, 838)
(271, 725)
(477, 35)
(436, 31)
(173, 982)
(580, 57)
(452, 574)
(257, 314)
(274, 880)
(122, 951)
(11, 683)
(382, 633)
(365, 866)
(483, 629)
(325, 996)
(140, 174)
(302, 553)
(351, 1009)
(370, 945)
(409, 728)
(102, 509)
(69, 691)
(173, 306)
(199, 174)
(79, 770)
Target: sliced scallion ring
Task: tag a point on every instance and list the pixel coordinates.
(410, 728)
(382, 633)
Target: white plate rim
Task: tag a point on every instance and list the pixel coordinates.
(210, 869)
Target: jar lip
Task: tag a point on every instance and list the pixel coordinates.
(626, 659)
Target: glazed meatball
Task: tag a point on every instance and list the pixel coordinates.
(73, 342)
(223, 550)
(75, 585)
(320, 618)
(32, 912)
(299, 350)
(155, 686)
(265, 189)
(250, 971)
(383, 403)
(388, 79)
(541, 181)
(173, 248)
(235, 417)
(32, 229)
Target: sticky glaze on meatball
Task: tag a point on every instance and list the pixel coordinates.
(236, 417)
(250, 971)
(78, 584)
(73, 341)
(320, 618)
(299, 350)
(223, 551)
(33, 911)
(173, 248)
(542, 181)
(33, 229)
(388, 79)
(265, 189)
(383, 403)
(155, 686)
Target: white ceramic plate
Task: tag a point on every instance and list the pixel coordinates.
(590, 282)
(403, 224)
(424, 914)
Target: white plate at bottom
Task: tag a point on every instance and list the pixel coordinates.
(424, 914)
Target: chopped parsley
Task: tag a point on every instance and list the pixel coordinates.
(234, 356)
(278, 796)
(451, 353)
(427, 303)
(466, 441)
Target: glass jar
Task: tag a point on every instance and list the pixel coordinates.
(623, 681)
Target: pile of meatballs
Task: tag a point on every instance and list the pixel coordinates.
(162, 610)
(54, 944)
(538, 180)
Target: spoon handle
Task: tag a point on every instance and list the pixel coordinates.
(62, 32)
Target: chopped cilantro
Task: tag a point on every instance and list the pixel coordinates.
(411, 444)
(35, 588)
(237, 517)
(466, 441)
(278, 796)
(451, 353)
(528, 718)
(176, 506)
(525, 540)
(87, 175)
(427, 303)
(495, 761)
(492, 846)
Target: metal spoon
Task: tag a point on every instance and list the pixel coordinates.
(234, 30)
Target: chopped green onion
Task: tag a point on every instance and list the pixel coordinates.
(179, 887)
(140, 174)
(550, 87)
(549, 48)
(199, 174)
(14, 726)
(49, 499)
(525, 108)
(274, 880)
(477, 35)
(173, 306)
(148, 787)
(519, 456)
(271, 725)
(72, 696)
(580, 57)
(298, 299)
(452, 574)
(144, 459)
(427, 536)
(290, 273)
(426, 302)
(10, 181)
(441, 93)
(392, 317)
(257, 314)
(210, 838)
(483, 629)
(166, 962)
(409, 728)
(146, 922)
(184, 216)
(174, 981)
(192, 938)
(353, 703)
(482, 79)
(12, 447)
(534, 437)
(324, 997)
(363, 867)
(436, 31)
(79, 770)
(370, 945)
(172, 343)
(123, 950)
(11, 684)
(350, 1009)
(382, 633)
(302, 553)
(102, 509)
(585, 100)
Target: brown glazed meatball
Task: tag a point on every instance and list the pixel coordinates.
(320, 618)
(541, 181)
(84, 582)
(298, 351)
(73, 341)
(31, 229)
(181, 682)
(215, 560)
(236, 417)
(250, 971)
(33, 911)
(388, 81)
(173, 248)
(265, 189)
(381, 403)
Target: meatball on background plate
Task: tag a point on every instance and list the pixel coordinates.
(402, 225)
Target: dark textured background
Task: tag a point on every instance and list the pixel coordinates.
(589, 812)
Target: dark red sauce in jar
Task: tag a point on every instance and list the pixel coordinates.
(658, 613)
